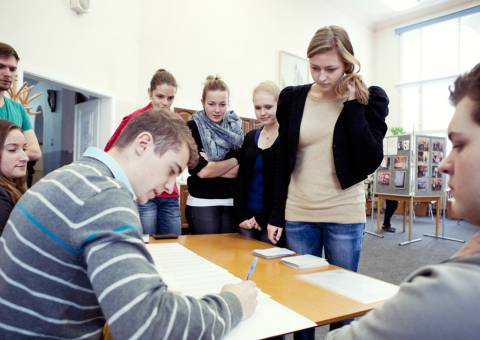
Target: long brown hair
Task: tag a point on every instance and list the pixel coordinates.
(335, 38)
(15, 187)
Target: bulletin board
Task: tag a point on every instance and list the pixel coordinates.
(410, 166)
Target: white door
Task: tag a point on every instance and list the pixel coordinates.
(87, 126)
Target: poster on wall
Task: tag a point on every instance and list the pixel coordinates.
(399, 179)
(422, 157)
(403, 145)
(422, 184)
(383, 178)
(400, 162)
(422, 171)
(437, 144)
(437, 157)
(422, 144)
(436, 184)
(385, 163)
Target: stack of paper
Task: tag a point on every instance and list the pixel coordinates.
(272, 253)
(352, 285)
(305, 261)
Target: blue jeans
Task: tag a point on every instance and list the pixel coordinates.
(160, 216)
(342, 244)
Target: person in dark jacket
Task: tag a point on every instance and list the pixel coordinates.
(258, 157)
(331, 138)
(13, 168)
(218, 135)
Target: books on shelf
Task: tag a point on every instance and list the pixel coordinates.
(305, 261)
(273, 253)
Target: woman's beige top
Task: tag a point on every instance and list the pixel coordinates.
(314, 193)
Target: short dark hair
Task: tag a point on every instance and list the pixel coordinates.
(7, 51)
(168, 130)
(468, 85)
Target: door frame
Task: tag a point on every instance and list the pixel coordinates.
(107, 99)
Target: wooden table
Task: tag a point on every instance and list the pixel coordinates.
(409, 201)
(234, 253)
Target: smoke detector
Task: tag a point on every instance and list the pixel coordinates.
(80, 6)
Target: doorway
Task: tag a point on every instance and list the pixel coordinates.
(69, 120)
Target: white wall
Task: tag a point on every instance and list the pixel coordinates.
(239, 40)
(116, 47)
(97, 51)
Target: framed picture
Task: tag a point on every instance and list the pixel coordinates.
(437, 157)
(436, 184)
(422, 185)
(385, 163)
(400, 162)
(422, 171)
(383, 177)
(294, 70)
(399, 179)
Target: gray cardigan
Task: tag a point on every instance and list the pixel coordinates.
(436, 302)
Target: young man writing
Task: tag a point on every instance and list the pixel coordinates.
(72, 256)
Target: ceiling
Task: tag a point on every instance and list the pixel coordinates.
(377, 13)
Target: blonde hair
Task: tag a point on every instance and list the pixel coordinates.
(213, 83)
(269, 87)
(335, 38)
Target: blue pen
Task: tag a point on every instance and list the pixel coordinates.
(252, 268)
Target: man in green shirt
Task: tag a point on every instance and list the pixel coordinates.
(13, 111)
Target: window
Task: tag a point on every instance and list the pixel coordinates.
(433, 54)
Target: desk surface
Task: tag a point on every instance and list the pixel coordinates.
(234, 253)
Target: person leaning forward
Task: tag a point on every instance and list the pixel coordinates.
(72, 255)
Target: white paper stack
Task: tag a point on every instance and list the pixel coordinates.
(355, 286)
(272, 253)
(305, 261)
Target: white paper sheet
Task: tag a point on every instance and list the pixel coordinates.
(190, 274)
(392, 145)
(357, 287)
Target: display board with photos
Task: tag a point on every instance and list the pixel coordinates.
(410, 166)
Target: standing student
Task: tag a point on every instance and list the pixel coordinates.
(160, 215)
(331, 135)
(441, 301)
(258, 157)
(218, 135)
(13, 111)
(13, 168)
(72, 255)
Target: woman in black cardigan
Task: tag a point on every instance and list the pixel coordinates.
(13, 168)
(258, 156)
(331, 138)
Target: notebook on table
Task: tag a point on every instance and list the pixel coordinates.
(272, 253)
(305, 261)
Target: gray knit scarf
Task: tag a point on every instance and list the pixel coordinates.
(219, 139)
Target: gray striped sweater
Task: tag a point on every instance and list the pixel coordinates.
(72, 257)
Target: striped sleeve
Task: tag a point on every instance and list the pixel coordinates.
(134, 299)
